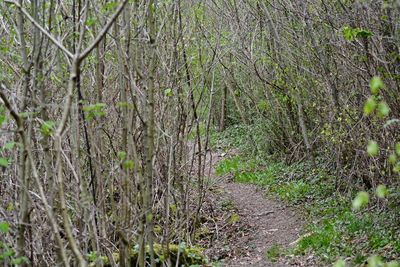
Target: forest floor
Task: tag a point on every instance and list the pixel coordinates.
(248, 229)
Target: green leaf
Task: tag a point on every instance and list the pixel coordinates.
(369, 105)
(3, 162)
(363, 33)
(360, 200)
(90, 21)
(396, 168)
(372, 148)
(383, 109)
(348, 33)
(92, 256)
(19, 260)
(149, 217)
(262, 105)
(128, 164)
(9, 145)
(4, 227)
(47, 128)
(381, 191)
(110, 6)
(95, 111)
(3, 118)
(397, 148)
(168, 92)
(376, 85)
(121, 155)
(392, 159)
(8, 252)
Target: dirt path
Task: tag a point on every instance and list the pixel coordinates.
(261, 224)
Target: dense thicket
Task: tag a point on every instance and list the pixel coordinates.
(302, 69)
(106, 108)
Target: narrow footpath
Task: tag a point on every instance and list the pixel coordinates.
(255, 223)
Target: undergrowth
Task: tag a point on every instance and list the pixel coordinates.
(333, 230)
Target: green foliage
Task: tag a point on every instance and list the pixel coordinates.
(274, 252)
(370, 105)
(3, 162)
(234, 218)
(334, 230)
(199, 12)
(128, 164)
(121, 155)
(293, 191)
(234, 136)
(47, 128)
(19, 260)
(382, 191)
(94, 111)
(392, 159)
(4, 227)
(9, 146)
(3, 117)
(93, 256)
(342, 233)
(228, 165)
(91, 21)
(109, 7)
(263, 105)
(397, 148)
(372, 148)
(372, 102)
(168, 92)
(255, 139)
(376, 85)
(383, 109)
(350, 34)
(360, 200)
(7, 254)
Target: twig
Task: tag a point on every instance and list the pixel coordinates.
(265, 213)
(43, 30)
(103, 32)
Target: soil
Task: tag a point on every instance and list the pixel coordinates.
(246, 224)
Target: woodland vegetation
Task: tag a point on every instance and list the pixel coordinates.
(108, 110)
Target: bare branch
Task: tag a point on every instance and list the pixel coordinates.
(103, 32)
(8, 105)
(43, 30)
